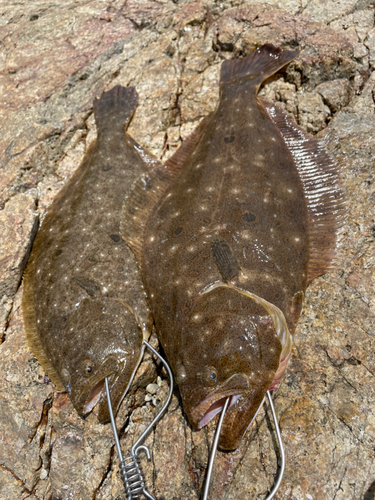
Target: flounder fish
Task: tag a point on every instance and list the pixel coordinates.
(84, 304)
(228, 237)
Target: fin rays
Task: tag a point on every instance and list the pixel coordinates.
(320, 179)
(148, 190)
(32, 337)
(258, 66)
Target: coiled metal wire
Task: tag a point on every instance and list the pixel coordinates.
(130, 467)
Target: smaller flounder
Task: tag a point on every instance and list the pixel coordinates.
(228, 238)
(84, 304)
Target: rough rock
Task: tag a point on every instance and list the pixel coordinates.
(56, 58)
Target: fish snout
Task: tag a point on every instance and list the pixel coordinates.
(87, 388)
(234, 387)
(118, 386)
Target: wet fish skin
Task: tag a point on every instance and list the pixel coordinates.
(84, 303)
(233, 235)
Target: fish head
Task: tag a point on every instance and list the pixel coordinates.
(106, 344)
(236, 354)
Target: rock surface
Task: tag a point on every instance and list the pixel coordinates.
(55, 59)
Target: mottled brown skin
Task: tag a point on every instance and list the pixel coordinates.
(84, 303)
(236, 214)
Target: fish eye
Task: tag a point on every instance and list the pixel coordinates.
(210, 375)
(88, 367)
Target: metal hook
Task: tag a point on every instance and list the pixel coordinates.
(281, 448)
(213, 451)
(216, 439)
(130, 467)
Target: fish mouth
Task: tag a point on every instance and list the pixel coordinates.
(90, 394)
(216, 408)
(213, 404)
(93, 397)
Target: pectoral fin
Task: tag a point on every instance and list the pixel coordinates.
(225, 259)
(88, 284)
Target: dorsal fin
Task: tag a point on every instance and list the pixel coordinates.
(148, 190)
(32, 336)
(321, 184)
(259, 65)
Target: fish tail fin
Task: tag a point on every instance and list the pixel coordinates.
(258, 66)
(115, 108)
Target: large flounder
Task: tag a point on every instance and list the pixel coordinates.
(228, 239)
(84, 303)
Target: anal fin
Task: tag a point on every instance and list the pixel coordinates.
(178, 159)
(319, 175)
(148, 190)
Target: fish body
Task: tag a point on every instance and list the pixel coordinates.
(234, 233)
(84, 303)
